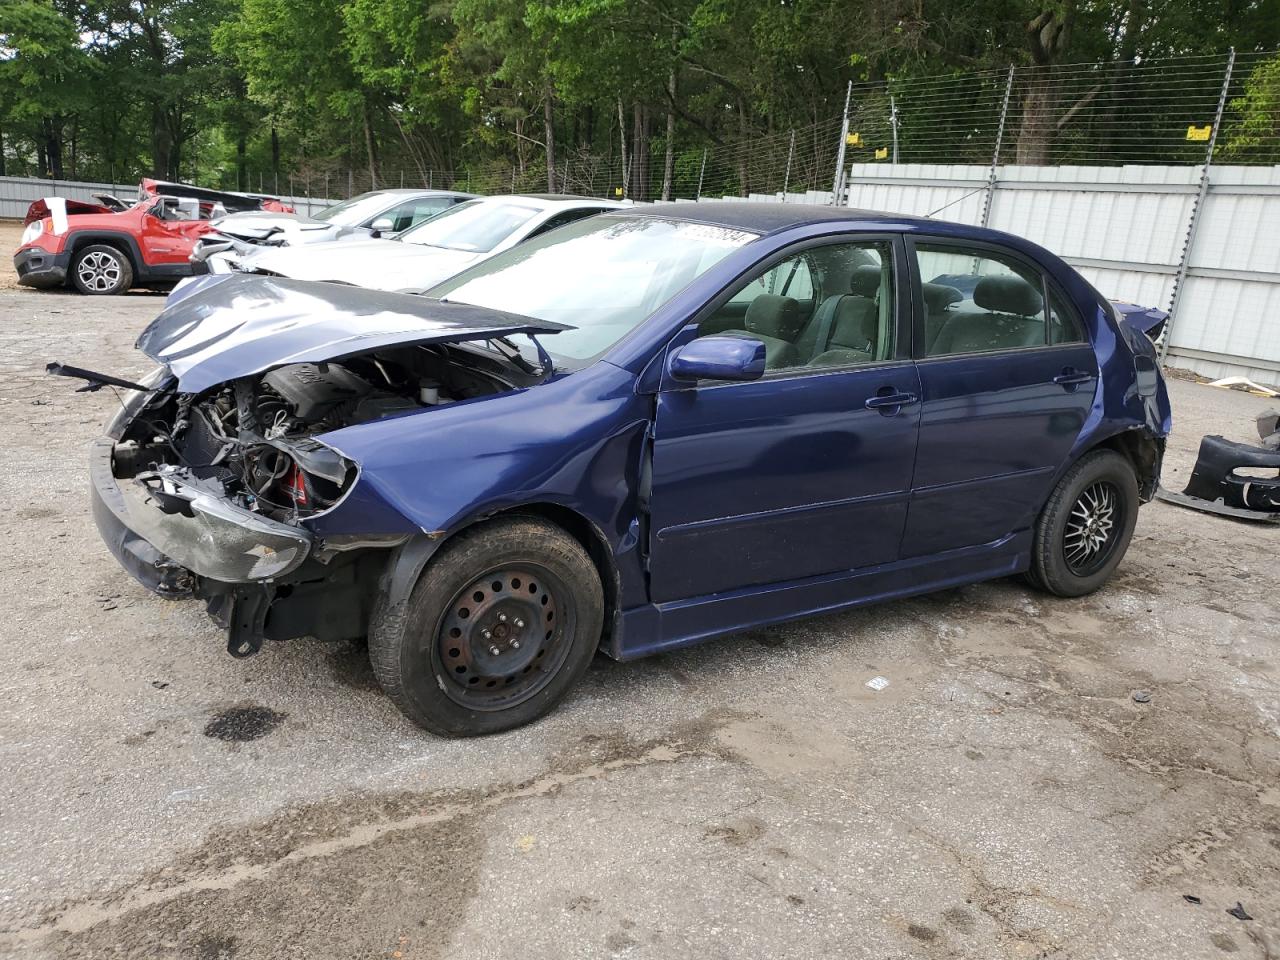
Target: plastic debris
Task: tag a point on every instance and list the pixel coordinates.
(1192, 898)
(1238, 912)
(877, 683)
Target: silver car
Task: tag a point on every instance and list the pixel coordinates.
(379, 213)
(432, 251)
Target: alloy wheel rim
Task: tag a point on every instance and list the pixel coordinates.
(99, 271)
(1090, 534)
(502, 638)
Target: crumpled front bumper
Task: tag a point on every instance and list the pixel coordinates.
(169, 542)
(37, 267)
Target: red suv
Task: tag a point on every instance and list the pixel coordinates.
(109, 247)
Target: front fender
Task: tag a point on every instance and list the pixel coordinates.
(574, 441)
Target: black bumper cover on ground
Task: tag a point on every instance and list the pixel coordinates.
(1215, 487)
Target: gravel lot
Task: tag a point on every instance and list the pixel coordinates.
(1003, 797)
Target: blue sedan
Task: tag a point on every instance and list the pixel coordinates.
(636, 432)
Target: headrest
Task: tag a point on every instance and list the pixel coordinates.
(1008, 295)
(865, 281)
(938, 296)
(771, 315)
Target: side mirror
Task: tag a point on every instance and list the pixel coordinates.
(719, 358)
(382, 225)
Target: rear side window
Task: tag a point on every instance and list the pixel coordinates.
(977, 301)
(1064, 326)
(415, 211)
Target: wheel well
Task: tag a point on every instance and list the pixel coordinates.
(588, 537)
(78, 243)
(1144, 453)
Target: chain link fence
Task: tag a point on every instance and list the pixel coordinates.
(1185, 110)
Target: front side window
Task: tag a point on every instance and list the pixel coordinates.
(828, 306)
(602, 276)
(977, 301)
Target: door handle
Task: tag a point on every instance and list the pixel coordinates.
(889, 401)
(1070, 377)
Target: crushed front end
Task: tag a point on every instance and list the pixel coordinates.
(215, 481)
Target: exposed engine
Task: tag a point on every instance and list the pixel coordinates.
(251, 437)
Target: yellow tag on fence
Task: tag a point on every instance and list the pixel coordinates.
(1198, 133)
(882, 153)
(853, 139)
(617, 191)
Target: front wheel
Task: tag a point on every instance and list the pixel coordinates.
(504, 620)
(1085, 528)
(101, 270)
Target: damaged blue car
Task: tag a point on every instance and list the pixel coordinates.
(639, 431)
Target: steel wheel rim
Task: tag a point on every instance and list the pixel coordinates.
(98, 271)
(517, 609)
(1092, 528)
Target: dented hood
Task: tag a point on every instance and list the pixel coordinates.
(222, 327)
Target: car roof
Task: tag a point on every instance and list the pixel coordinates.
(767, 217)
(419, 192)
(551, 201)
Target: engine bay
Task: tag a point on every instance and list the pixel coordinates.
(251, 440)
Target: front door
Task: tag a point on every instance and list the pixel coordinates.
(1007, 379)
(807, 470)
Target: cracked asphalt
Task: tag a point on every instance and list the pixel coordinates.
(1003, 797)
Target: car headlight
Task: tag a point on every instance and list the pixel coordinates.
(32, 232)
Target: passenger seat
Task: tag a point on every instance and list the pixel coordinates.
(1012, 319)
(845, 327)
(775, 321)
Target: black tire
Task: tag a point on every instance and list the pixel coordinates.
(518, 585)
(1075, 551)
(101, 270)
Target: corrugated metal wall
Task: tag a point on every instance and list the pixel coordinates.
(1124, 228)
(17, 193)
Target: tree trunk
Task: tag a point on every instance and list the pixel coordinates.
(669, 161)
(370, 145)
(275, 152)
(2, 166)
(1047, 35)
(1039, 106)
(549, 135)
(161, 145)
(51, 128)
(242, 167)
(622, 138)
(743, 186)
(640, 153)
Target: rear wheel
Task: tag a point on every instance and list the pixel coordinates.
(1085, 528)
(502, 623)
(101, 270)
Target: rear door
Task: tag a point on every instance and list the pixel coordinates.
(807, 470)
(1007, 379)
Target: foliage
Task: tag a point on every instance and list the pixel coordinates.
(238, 92)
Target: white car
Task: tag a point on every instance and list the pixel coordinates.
(380, 213)
(431, 252)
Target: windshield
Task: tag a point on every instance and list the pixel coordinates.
(353, 212)
(602, 276)
(475, 227)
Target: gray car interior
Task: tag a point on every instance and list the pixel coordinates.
(1008, 315)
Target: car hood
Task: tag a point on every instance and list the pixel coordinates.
(283, 227)
(378, 264)
(222, 327)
